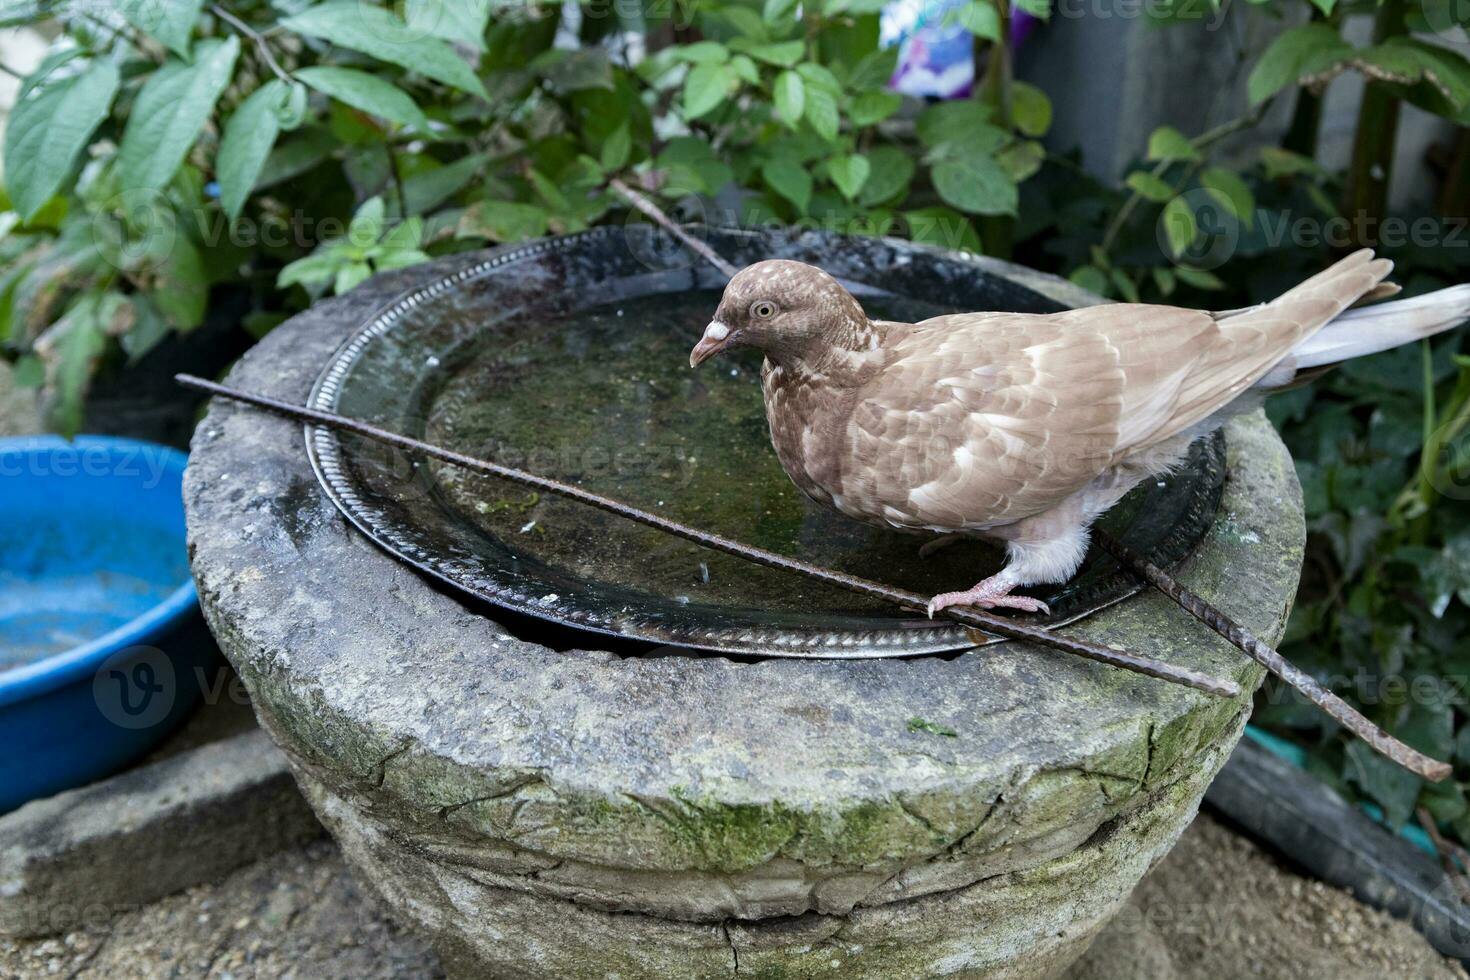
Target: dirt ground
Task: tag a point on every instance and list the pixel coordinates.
(1217, 908)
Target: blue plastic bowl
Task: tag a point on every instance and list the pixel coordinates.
(102, 650)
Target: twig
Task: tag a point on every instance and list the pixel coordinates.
(1348, 716)
(646, 206)
(255, 36)
(911, 600)
(1199, 143)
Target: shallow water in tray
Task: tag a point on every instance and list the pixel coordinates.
(65, 584)
(606, 400)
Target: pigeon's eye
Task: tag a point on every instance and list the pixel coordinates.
(762, 309)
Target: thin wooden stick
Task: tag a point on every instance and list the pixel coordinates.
(1348, 716)
(910, 600)
(653, 211)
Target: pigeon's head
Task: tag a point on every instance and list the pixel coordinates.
(782, 309)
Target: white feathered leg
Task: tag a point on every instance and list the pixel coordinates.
(1050, 546)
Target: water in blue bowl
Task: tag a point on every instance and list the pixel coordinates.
(64, 583)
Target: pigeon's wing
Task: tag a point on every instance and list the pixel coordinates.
(982, 419)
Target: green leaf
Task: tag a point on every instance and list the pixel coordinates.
(976, 183)
(789, 179)
(406, 236)
(1167, 143)
(1391, 786)
(1300, 51)
(958, 120)
(706, 87)
(378, 32)
(350, 275)
(1164, 280)
(943, 227)
(849, 174)
(170, 112)
(745, 69)
(80, 343)
(777, 10)
(616, 149)
(1149, 187)
(1126, 287)
(169, 21)
(317, 268)
(48, 130)
(430, 188)
(148, 330)
(790, 92)
(247, 141)
(1180, 227)
(1022, 159)
(366, 92)
(821, 111)
(702, 53)
(182, 290)
(1091, 278)
(783, 55)
(1198, 278)
(502, 221)
(367, 224)
(873, 106)
(981, 19)
(1030, 109)
(1232, 193)
(453, 20)
(890, 170)
(1285, 163)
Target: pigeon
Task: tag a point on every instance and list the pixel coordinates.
(1022, 428)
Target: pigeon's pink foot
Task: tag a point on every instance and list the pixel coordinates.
(993, 593)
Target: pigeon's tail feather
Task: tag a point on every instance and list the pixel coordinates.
(1371, 329)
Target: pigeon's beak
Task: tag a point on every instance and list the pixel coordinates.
(716, 338)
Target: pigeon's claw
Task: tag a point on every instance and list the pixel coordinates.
(989, 594)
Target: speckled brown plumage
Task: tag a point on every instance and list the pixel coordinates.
(1023, 428)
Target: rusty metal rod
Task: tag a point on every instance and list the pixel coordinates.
(1348, 716)
(911, 600)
